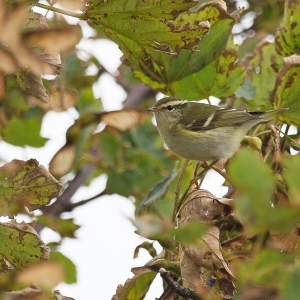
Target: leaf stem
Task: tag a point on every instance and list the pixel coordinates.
(225, 175)
(177, 192)
(61, 11)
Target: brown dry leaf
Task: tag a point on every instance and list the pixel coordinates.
(62, 161)
(203, 206)
(53, 60)
(207, 252)
(8, 63)
(46, 274)
(73, 4)
(58, 100)
(29, 293)
(54, 40)
(22, 56)
(191, 275)
(124, 119)
(32, 84)
(34, 21)
(284, 241)
(59, 296)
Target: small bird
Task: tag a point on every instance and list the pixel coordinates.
(198, 131)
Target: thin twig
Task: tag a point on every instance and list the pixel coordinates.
(61, 11)
(202, 172)
(225, 175)
(277, 152)
(180, 290)
(82, 202)
(285, 136)
(177, 191)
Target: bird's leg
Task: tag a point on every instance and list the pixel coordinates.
(198, 165)
(196, 177)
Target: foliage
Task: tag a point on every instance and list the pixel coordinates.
(244, 245)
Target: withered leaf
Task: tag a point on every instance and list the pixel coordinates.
(46, 274)
(203, 206)
(207, 252)
(53, 60)
(54, 40)
(59, 296)
(124, 119)
(284, 241)
(59, 100)
(25, 183)
(8, 63)
(35, 20)
(191, 275)
(29, 293)
(32, 84)
(62, 161)
(22, 56)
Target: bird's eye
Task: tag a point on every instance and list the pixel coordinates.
(170, 107)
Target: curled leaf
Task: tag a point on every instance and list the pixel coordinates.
(203, 206)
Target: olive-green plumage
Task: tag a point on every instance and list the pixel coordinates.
(200, 131)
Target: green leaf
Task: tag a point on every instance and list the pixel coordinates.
(265, 268)
(144, 23)
(164, 9)
(65, 227)
(87, 103)
(287, 39)
(221, 78)
(188, 233)
(255, 180)
(25, 183)
(69, 267)
(247, 90)
(21, 132)
(290, 287)
(20, 244)
(287, 90)
(291, 175)
(262, 68)
(160, 70)
(158, 191)
(135, 288)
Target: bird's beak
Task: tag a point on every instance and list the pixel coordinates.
(152, 109)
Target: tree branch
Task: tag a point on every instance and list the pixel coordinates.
(181, 291)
